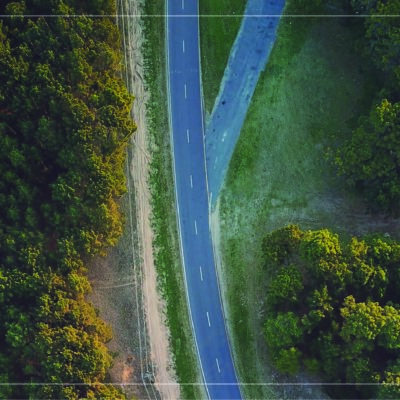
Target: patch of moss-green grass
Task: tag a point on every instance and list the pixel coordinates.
(313, 89)
(219, 24)
(166, 246)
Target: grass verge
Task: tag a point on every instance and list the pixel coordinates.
(218, 30)
(166, 246)
(315, 87)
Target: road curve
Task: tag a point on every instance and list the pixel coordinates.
(187, 139)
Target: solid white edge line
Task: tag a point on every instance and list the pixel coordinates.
(177, 201)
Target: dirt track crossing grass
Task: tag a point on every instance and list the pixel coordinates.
(315, 86)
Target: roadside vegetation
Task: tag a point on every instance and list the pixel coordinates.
(296, 138)
(64, 126)
(333, 309)
(164, 223)
(370, 159)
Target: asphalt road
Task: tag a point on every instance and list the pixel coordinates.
(186, 119)
(247, 60)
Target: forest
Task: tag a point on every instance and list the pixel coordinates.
(64, 126)
(334, 309)
(333, 303)
(370, 159)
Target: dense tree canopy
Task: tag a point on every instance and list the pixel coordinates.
(64, 126)
(334, 308)
(370, 159)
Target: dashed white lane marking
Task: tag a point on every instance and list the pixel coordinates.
(183, 46)
(191, 181)
(201, 274)
(183, 4)
(215, 162)
(219, 370)
(208, 319)
(195, 226)
(187, 135)
(185, 91)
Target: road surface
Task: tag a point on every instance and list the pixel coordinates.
(187, 125)
(247, 60)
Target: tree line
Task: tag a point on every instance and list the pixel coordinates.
(64, 126)
(370, 159)
(333, 305)
(334, 309)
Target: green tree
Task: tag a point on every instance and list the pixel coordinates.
(370, 159)
(283, 331)
(288, 360)
(383, 35)
(285, 287)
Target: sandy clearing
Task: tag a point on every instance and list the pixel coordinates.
(154, 307)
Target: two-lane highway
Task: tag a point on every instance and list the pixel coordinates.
(187, 126)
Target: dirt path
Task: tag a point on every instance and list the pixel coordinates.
(125, 282)
(165, 381)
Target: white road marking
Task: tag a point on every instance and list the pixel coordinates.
(195, 226)
(183, 46)
(210, 197)
(215, 162)
(187, 135)
(201, 274)
(185, 91)
(208, 319)
(183, 4)
(191, 181)
(216, 360)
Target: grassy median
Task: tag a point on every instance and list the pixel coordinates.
(314, 88)
(164, 223)
(219, 23)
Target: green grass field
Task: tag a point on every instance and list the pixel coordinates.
(314, 88)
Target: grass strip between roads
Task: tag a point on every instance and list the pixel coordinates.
(217, 35)
(164, 223)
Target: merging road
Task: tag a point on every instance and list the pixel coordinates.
(186, 120)
(247, 59)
